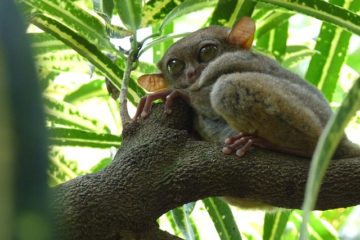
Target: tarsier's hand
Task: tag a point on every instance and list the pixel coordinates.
(167, 95)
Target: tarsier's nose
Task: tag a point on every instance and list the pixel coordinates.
(191, 76)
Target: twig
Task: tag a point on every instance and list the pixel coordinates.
(132, 58)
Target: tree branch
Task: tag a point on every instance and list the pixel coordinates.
(160, 166)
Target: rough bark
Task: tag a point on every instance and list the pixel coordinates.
(160, 166)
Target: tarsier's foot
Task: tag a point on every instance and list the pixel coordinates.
(167, 95)
(242, 143)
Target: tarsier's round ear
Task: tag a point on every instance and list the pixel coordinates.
(153, 82)
(242, 33)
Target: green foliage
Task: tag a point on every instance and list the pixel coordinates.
(222, 218)
(76, 52)
(329, 139)
(183, 221)
(130, 12)
(274, 224)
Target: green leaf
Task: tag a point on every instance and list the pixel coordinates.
(295, 54)
(185, 8)
(42, 43)
(326, 147)
(160, 49)
(104, 8)
(181, 216)
(62, 61)
(322, 11)
(67, 114)
(89, 26)
(74, 137)
(101, 165)
(227, 12)
(275, 41)
(173, 225)
(92, 89)
(90, 52)
(46, 79)
(274, 224)
(325, 66)
(222, 218)
(353, 60)
(60, 169)
(318, 228)
(272, 21)
(130, 12)
(156, 10)
(160, 40)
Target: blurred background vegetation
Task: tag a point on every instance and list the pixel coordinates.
(77, 44)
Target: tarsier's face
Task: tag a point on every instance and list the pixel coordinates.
(185, 60)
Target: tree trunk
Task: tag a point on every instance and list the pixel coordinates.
(161, 165)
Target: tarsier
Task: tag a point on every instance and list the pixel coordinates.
(240, 97)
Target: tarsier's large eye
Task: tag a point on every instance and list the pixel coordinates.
(208, 53)
(175, 66)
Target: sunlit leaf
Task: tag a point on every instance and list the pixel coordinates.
(326, 147)
(155, 11)
(353, 60)
(222, 218)
(89, 26)
(92, 89)
(90, 52)
(275, 41)
(187, 7)
(295, 54)
(43, 43)
(227, 13)
(80, 138)
(331, 46)
(104, 8)
(272, 21)
(323, 11)
(130, 12)
(181, 216)
(69, 115)
(274, 224)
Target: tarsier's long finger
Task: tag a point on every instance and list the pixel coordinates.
(232, 139)
(230, 148)
(147, 106)
(140, 108)
(150, 99)
(243, 150)
(170, 99)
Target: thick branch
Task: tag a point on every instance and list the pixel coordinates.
(161, 166)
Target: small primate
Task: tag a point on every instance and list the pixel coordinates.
(240, 97)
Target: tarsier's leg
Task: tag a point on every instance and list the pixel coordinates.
(269, 108)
